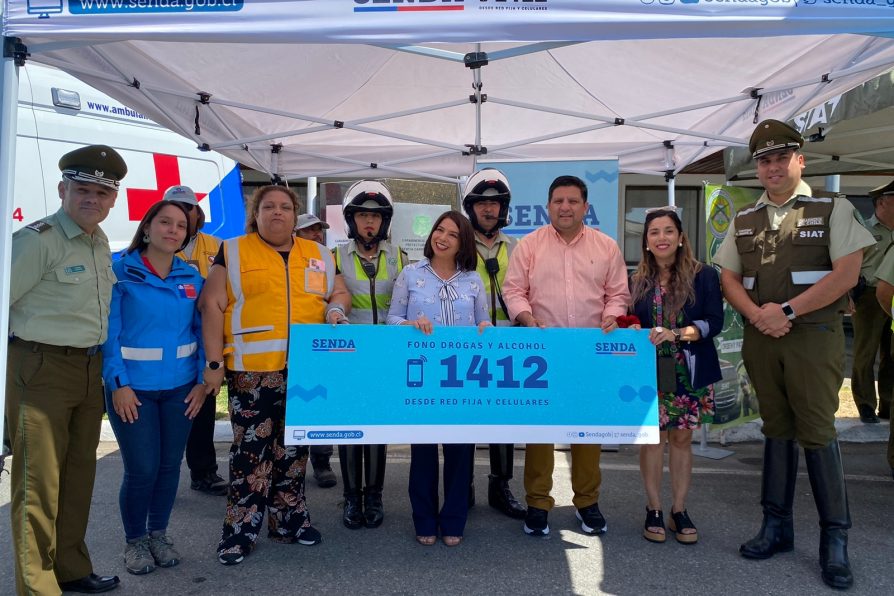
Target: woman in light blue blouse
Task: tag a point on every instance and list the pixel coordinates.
(441, 289)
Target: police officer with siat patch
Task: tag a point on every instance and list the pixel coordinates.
(788, 262)
(369, 265)
(486, 202)
(58, 319)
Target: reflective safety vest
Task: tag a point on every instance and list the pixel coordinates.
(264, 297)
(390, 262)
(203, 253)
(777, 265)
(498, 314)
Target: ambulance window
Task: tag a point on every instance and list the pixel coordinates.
(63, 98)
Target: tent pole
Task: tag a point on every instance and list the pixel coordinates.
(833, 183)
(9, 103)
(312, 205)
(669, 174)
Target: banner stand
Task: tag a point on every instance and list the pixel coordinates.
(710, 452)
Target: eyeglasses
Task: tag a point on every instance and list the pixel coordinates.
(671, 208)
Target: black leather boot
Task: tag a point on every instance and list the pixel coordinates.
(499, 495)
(374, 460)
(777, 533)
(352, 474)
(830, 495)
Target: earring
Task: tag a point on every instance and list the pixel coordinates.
(680, 245)
(145, 238)
(648, 249)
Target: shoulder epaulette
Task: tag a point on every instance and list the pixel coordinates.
(39, 226)
(806, 199)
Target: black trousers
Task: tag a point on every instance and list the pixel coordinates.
(200, 455)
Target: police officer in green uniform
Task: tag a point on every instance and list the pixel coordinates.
(884, 293)
(788, 262)
(58, 319)
(872, 334)
(486, 202)
(369, 265)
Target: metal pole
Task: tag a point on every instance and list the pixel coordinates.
(313, 206)
(833, 183)
(9, 100)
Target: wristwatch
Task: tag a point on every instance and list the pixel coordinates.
(677, 335)
(788, 311)
(213, 364)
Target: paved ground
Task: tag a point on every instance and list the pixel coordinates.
(496, 558)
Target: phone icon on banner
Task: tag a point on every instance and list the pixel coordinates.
(414, 371)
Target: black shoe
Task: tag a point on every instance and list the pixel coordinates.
(867, 414)
(353, 513)
(536, 523)
(210, 484)
(373, 509)
(92, 584)
(500, 497)
(229, 559)
(591, 520)
(324, 476)
(309, 536)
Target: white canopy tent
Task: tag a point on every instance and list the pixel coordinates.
(357, 88)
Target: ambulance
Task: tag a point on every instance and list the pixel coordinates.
(58, 113)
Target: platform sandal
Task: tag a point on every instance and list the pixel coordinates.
(679, 522)
(654, 519)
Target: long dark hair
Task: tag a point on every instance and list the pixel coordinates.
(680, 289)
(139, 244)
(466, 256)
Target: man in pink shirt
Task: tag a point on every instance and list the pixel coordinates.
(565, 275)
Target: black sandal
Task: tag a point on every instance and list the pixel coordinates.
(680, 521)
(654, 519)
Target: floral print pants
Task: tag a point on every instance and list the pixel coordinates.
(265, 474)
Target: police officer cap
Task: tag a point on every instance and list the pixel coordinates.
(180, 194)
(887, 189)
(773, 135)
(96, 164)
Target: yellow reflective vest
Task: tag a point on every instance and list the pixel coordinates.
(203, 253)
(494, 306)
(389, 263)
(264, 296)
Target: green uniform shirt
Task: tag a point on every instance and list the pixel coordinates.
(61, 283)
(846, 233)
(884, 237)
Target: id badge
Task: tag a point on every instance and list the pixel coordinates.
(314, 281)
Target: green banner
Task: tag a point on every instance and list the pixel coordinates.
(734, 398)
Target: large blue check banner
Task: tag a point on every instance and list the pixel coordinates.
(365, 384)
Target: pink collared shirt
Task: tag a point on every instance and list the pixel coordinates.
(566, 284)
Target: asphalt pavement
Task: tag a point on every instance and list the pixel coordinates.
(496, 557)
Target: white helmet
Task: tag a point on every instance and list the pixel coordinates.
(488, 184)
(368, 196)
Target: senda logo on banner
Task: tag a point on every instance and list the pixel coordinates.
(407, 5)
(152, 6)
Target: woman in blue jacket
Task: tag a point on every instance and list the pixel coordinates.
(679, 300)
(152, 367)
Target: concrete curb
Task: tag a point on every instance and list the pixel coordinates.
(850, 430)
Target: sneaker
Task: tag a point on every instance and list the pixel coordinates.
(210, 484)
(536, 523)
(138, 558)
(230, 558)
(163, 551)
(324, 475)
(309, 536)
(591, 520)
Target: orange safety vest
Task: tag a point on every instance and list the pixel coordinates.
(264, 297)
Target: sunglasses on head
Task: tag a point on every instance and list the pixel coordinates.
(665, 208)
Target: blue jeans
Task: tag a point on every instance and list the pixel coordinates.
(152, 449)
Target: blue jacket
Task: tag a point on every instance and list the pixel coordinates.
(706, 314)
(155, 333)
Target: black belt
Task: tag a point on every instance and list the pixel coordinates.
(35, 346)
